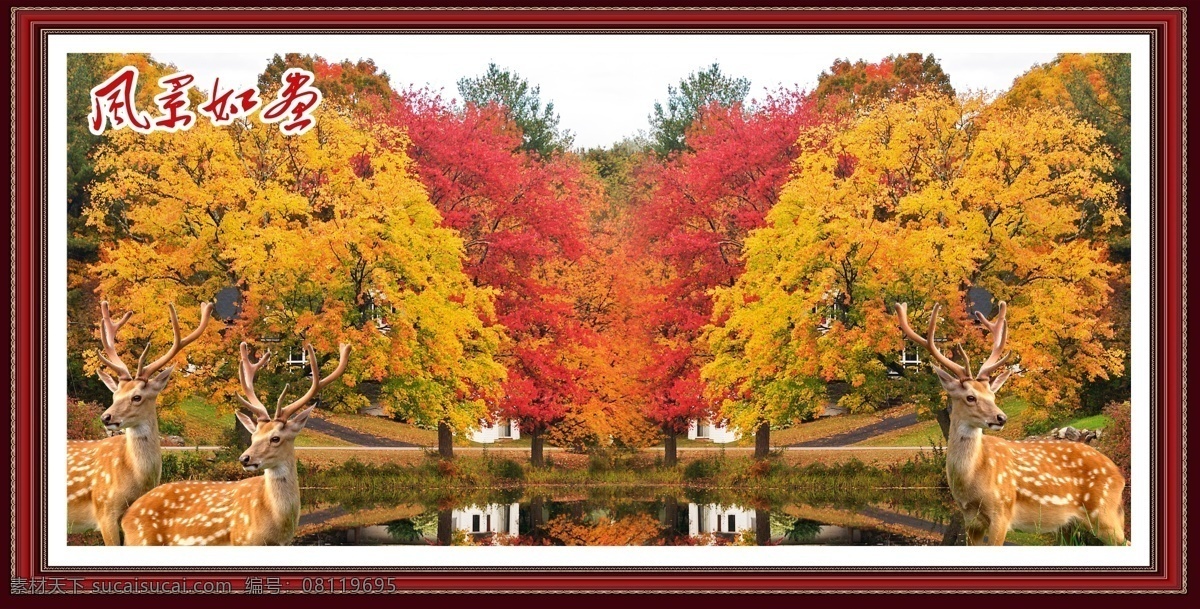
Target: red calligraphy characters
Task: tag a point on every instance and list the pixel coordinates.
(113, 103)
(297, 99)
(224, 107)
(173, 103)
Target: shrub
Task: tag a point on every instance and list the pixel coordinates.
(84, 386)
(185, 465)
(701, 469)
(1115, 440)
(762, 468)
(446, 468)
(83, 421)
(170, 422)
(601, 460)
(507, 469)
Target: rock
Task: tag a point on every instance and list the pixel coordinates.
(373, 410)
(1071, 434)
(1087, 436)
(172, 441)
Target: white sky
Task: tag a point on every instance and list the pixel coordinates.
(604, 85)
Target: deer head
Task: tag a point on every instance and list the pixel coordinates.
(134, 395)
(972, 396)
(273, 437)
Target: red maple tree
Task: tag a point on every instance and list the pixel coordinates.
(516, 212)
(693, 213)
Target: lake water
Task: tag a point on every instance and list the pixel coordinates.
(614, 519)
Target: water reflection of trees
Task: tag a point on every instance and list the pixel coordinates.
(608, 516)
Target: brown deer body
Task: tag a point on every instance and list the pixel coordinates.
(105, 476)
(1035, 486)
(263, 510)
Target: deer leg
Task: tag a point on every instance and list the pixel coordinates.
(998, 530)
(975, 531)
(110, 527)
(1112, 527)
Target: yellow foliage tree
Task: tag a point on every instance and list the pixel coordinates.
(920, 201)
(326, 238)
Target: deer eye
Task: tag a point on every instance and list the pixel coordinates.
(275, 439)
(971, 398)
(136, 398)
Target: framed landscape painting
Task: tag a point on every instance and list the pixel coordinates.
(627, 300)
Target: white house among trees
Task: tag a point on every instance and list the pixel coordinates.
(504, 429)
(717, 433)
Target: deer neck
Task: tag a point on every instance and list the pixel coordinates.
(143, 452)
(281, 489)
(965, 449)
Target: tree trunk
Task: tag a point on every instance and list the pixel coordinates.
(444, 528)
(762, 441)
(762, 527)
(535, 449)
(671, 513)
(954, 530)
(241, 435)
(445, 441)
(943, 419)
(537, 520)
(670, 454)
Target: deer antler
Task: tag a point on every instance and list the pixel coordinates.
(999, 329)
(286, 412)
(247, 368)
(108, 339)
(929, 342)
(178, 343)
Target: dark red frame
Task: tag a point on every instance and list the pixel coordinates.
(28, 283)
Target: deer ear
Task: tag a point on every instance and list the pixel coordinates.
(998, 382)
(949, 381)
(250, 424)
(299, 419)
(108, 381)
(158, 382)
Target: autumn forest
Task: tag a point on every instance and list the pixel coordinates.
(736, 263)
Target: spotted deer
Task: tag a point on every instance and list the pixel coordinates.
(1038, 486)
(262, 510)
(105, 476)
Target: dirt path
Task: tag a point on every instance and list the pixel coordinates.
(862, 433)
(354, 436)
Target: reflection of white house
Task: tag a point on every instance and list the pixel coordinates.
(713, 518)
(505, 429)
(718, 433)
(491, 518)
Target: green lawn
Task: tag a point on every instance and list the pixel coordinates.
(928, 433)
(203, 423)
(684, 442)
(206, 425)
(384, 428)
(316, 438)
(823, 427)
(924, 433)
(1096, 421)
(521, 442)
